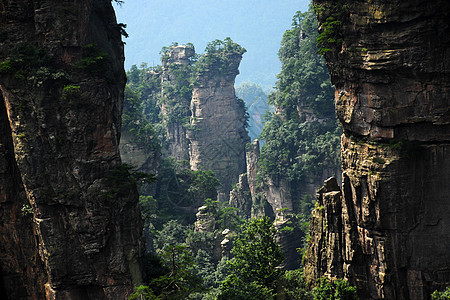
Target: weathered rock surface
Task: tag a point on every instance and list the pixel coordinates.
(391, 74)
(323, 256)
(241, 198)
(70, 224)
(248, 196)
(217, 135)
(175, 105)
(142, 159)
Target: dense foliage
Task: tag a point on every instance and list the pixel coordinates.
(141, 114)
(302, 138)
(218, 55)
(337, 289)
(253, 268)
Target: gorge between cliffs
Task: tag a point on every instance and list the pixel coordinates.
(145, 184)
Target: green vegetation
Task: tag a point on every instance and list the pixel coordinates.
(70, 91)
(94, 60)
(337, 289)
(304, 81)
(32, 64)
(225, 46)
(253, 268)
(331, 15)
(302, 139)
(140, 116)
(444, 295)
(181, 191)
(146, 93)
(185, 267)
(25, 59)
(183, 262)
(177, 89)
(218, 55)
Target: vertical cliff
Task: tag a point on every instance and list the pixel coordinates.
(176, 98)
(70, 226)
(217, 132)
(390, 62)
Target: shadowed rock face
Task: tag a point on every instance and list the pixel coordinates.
(70, 226)
(391, 73)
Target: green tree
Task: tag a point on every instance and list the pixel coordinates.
(218, 55)
(335, 289)
(254, 268)
(294, 286)
(180, 281)
(136, 119)
(173, 233)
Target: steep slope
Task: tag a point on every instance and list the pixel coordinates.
(70, 226)
(389, 61)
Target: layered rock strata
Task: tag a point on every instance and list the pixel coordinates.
(70, 224)
(217, 133)
(390, 63)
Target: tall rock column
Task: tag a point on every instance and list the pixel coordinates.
(390, 63)
(176, 98)
(217, 130)
(70, 224)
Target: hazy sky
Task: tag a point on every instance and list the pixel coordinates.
(257, 25)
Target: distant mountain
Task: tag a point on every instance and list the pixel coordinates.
(257, 25)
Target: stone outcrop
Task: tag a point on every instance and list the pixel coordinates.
(176, 98)
(145, 160)
(260, 207)
(70, 225)
(323, 256)
(391, 73)
(241, 198)
(253, 199)
(217, 133)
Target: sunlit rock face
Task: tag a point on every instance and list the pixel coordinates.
(390, 64)
(217, 134)
(70, 225)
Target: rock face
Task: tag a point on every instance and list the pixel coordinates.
(241, 198)
(323, 256)
(217, 135)
(176, 98)
(391, 73)
(70, 224)
(142, 159)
